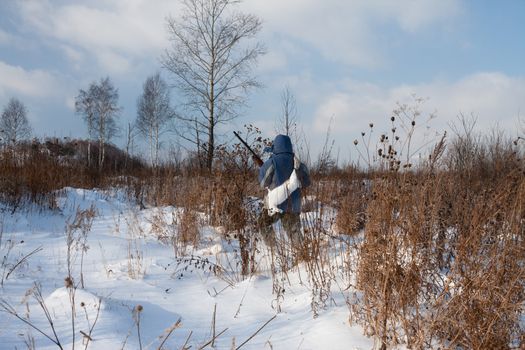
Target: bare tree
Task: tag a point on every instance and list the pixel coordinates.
(287, 123)
(85, 105)
(211, 58)
(99, 106)
(108, 109)
(14, 125)
(130, 140)
(154, 113)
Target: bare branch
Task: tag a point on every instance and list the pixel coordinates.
(210, 64)
(14, 125)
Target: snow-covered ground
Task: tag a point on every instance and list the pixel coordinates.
(129, 265)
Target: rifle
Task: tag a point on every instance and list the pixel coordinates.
(255, 156)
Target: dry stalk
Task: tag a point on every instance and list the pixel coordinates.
(36, 292)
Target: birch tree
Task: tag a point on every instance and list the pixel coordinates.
(108, 109)
(99, 107)
(211, 58)
(14, 125)
(287, 123)
(85, 105)
(154, 114)
(130, 141)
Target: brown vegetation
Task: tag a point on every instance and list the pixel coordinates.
(433, 254)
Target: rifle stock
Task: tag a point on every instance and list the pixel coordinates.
(256, 157)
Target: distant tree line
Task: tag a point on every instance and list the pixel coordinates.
(210, 64)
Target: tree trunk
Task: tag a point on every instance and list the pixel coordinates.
(101, 144)
(211, 121)
(89, 152)
(90, 138)
(211, 146)
(157, 146)
(151, 141)
(100, 153)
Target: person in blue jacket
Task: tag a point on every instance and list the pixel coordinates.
(273, 173)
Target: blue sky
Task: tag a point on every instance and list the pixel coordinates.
(347, 62)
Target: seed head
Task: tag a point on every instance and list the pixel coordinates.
(139, 308)
(356, 142)
(413, 122)
(68, 282)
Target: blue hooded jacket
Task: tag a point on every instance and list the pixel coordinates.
(278, 168)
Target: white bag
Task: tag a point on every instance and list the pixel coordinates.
(279, 194)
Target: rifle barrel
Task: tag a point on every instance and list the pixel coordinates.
(255, 155)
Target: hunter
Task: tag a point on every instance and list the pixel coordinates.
(283, 175)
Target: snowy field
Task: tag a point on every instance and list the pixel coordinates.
(138, 294)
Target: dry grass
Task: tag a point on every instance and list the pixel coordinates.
(443, 255)
(433, 253)
(35, 172)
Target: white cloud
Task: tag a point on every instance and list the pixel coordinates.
(414, 15)
(5, 37)
(38, 89)
(272, 61)
(70, 103)
(76, 57)
(342, 31)
(493, 98)
(114, 62)
(118, 33)
(349, 31)
(350, 112)
(31, 83)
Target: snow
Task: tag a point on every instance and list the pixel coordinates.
(130, 264)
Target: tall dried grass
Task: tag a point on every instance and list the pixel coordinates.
(434, 250)
(442, 259)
